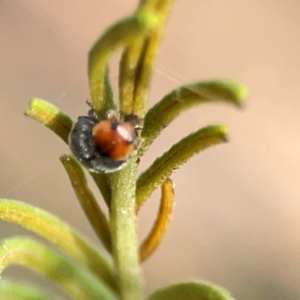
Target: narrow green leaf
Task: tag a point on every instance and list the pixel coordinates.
(139, 55)
(191, 291)
(178, 154)
(72, 279)
(49, 115)
(148, 55)
(12, 290)
(155, 236)
(60, 234)
(88, 202)
(128, 66)
(185, 97)
(111, 103)
(117, 36)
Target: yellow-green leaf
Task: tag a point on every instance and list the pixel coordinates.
(117, 36)
(158, 231)
(58, 122)
(49, 115)
(13, 290)
(185, 97)
(164, 166)
(71, 278)
(191, 291)
(61, 235)
(87, 200)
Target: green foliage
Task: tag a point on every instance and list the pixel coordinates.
(74, 280)
(186, 97)
(59, 234)
(191, 291)
(162, 222)
(80, 269)
(49, 115)
(119, 35)
(87, 200)
(12, 290)
(163, 167)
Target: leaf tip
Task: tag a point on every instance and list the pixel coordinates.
(36, 105)
(64, 158)
(223, 132)
(148, 19)
(31, 106)
(242, 93)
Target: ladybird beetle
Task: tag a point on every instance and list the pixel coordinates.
(102, 146)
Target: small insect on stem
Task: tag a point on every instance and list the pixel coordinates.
(103, 146)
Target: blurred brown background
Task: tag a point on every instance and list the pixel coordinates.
(236, 220)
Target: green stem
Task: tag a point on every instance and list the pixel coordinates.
(123, 229)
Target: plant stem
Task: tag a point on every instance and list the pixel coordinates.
(123, 229)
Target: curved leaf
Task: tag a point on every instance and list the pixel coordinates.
(109, 93)
(119, 35)
(49, 115)
(137, 56)
(155, 236)
(72, 279)
(128, 65)
(60, 234)
(191, 291)
(185, 97)
(12, 290)
(164, 166)
(88, 202)
(148, 55)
